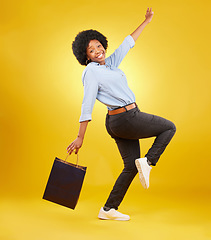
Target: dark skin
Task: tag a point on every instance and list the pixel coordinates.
(96, 53)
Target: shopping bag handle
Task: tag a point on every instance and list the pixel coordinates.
(69, 155)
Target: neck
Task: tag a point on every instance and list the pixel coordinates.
(102, 63)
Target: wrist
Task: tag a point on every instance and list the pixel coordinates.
(146, 21)
(80, 137)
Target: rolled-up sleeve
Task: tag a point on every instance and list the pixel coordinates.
(119, 54)
(90, 93)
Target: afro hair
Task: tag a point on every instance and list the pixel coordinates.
(81, 43)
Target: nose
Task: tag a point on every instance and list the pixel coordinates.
(97, 50)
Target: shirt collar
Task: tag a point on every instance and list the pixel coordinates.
(106, 64)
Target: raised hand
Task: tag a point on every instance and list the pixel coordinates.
(149, 15)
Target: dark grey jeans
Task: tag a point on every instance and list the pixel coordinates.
(127, 128)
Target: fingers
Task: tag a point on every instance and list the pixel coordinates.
(149, 14)
(75, 145)
(76, 150)
(71, 148)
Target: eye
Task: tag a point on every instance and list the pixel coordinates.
(99, 45)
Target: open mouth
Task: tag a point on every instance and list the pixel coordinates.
(100, 56)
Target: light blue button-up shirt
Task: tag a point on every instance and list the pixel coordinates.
(107, 83)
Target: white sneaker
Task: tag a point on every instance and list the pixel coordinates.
(112, 214)
(144, 171)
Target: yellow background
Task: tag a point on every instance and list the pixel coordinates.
(41, 94)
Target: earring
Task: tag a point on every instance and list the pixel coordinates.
(87, 61)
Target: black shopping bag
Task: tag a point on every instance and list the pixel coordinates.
(65, 183)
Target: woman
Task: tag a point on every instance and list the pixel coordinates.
(103, 80)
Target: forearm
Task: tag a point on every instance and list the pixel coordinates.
(139, 30)
(82, 129)
(77, 143)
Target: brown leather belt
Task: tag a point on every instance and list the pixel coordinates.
(122, 109)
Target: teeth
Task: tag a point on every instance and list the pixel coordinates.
(100, 55)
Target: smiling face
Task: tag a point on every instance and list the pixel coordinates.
(96, 52)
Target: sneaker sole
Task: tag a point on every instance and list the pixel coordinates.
(141, 175)
(118, 219)
(103, 216)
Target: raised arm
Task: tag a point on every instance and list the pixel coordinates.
(148, 18)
